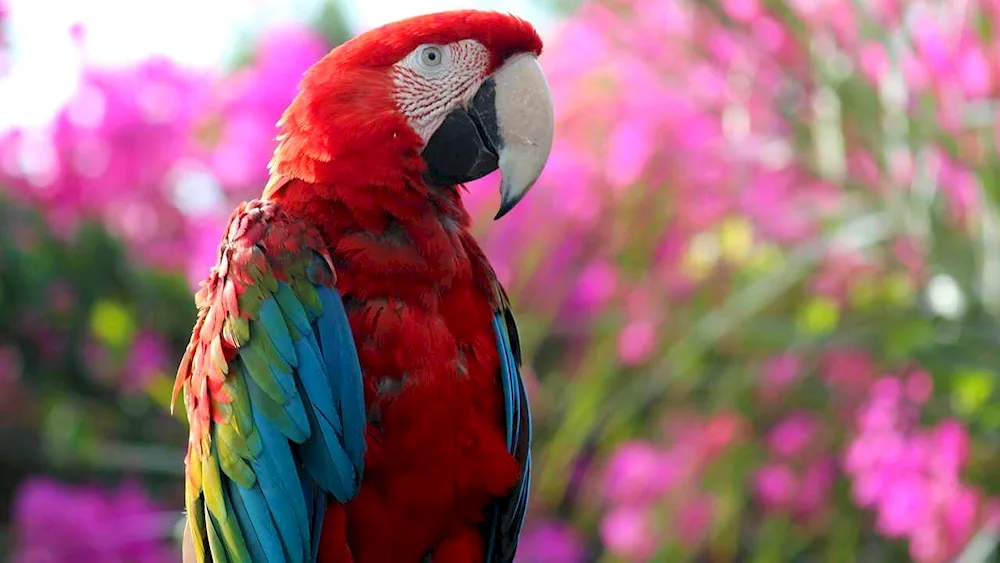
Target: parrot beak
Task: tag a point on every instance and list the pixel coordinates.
(526, 124)
(508, 125)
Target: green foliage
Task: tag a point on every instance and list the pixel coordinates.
(70, 311)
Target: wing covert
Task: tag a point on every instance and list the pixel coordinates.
(273, 392)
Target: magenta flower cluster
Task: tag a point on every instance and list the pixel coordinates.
(58, 522)
(654, 492)
(911, 476)
(158, 153)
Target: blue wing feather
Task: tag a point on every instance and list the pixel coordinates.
(507, 515)
(317, 496)
(324, 453)
(337, 344)
(273, 321)
(507, 368)
(260, 533)
(276, 475)
(291, 516)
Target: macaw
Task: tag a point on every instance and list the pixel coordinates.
(353, 380)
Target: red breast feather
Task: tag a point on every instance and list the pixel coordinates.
(418, 293)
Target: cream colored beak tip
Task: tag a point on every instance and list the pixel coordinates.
(526, 122)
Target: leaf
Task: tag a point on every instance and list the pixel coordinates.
(901, 340)
(971, 388)
(111, 323)
(819, 316)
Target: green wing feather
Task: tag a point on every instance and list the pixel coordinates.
(273, 390)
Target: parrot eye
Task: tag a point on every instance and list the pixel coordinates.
(431, 56)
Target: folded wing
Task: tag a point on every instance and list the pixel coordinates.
(273, 392)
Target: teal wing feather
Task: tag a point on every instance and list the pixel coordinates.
(273, 392)
(503, 528)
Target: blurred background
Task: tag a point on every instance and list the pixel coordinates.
(758, 284)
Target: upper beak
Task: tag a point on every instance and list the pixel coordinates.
(509, 124)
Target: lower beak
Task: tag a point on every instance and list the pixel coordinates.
(508, 125)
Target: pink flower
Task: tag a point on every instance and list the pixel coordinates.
(950, 446)
(628, 532)
(596, 286)
(742, 10)
(848, 370)
(931, 43)
(809, 10)
(722, 46)
(915, 72)
(961, 187)
(902, 168)
(637, 342)
(148, 356)
(873, 61)
(694, 520)
(581, 41)
(253, 99)
(905, 506)
(720, 432)
(911, 476)
(815, 486)
(888, 12)
(571, 178)
(886, 391)
(770, 33)
(109, 155)
(925, 544)
(57, 522)
(960, 514)
(639, 473)
(974, 72)
(919, 387)
(775, 485)
(860, 163)
(631, 145)
(844, 22)
(949, 111)
(779, 373)
(549, 541)
(792, 435)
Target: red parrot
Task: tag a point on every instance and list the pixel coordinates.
(352, 382)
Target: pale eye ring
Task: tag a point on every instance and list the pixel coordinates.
(431, 56)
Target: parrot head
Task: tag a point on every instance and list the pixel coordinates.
(451, 96)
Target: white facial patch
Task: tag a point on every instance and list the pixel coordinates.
(435, 79)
